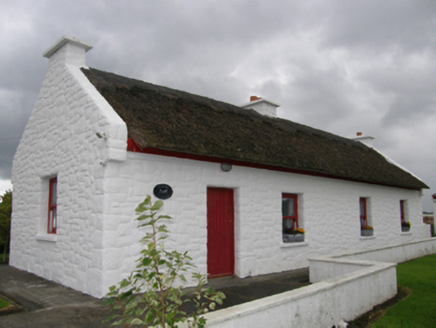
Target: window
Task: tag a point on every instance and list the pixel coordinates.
(363, 213)
(403, 218)
(291, 229)
(290, 212)
(405, 224)
(365, 224)
(52, 205)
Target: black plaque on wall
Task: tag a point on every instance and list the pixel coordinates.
(163, 191)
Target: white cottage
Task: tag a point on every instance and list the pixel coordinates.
(241, 181)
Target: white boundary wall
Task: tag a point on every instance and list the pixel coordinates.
(322, 268)
(347, 285)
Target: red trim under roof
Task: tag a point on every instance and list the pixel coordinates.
(134, 147)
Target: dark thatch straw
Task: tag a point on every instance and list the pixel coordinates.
(172, 120)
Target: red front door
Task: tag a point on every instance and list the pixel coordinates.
(220, 232)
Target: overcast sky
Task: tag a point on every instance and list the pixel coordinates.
(341, 66)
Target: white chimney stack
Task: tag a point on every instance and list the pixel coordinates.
(367, 140)
(262, 106)
(68, 50)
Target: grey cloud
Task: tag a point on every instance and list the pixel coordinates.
(198, 46)
(381, 24)
(409, 88)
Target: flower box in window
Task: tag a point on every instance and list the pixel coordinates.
(366, 231)
(405, 226)
(294, 236)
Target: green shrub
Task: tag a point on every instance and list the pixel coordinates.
(4, 304)
(151, 295)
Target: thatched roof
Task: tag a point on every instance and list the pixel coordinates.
(166, 119)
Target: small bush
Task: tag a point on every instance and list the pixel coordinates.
(150, 296)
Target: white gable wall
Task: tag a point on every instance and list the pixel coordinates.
(75, 135)
(60, 140)
(329, 210)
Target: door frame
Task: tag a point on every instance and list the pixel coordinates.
(232, 232)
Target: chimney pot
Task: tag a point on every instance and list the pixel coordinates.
(367, 140)
(68, 50)
(262, 106)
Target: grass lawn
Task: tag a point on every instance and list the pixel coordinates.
(419, 308)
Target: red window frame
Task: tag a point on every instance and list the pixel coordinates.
(402, 212)
(294, 218)
(52, 206)
(363, 214)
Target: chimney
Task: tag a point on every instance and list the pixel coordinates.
(367, 140)
(68, 50)
(262, 106)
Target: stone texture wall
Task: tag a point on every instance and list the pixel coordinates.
(60, 140)
(329, 212)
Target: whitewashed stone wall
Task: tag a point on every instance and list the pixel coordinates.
(329, 210)
(60, 139)
(99, 186)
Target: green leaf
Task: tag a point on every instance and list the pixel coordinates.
(118, 323)
(221, 295)
(165, 217)
(149, 317)
(136, 321)
(144, 206)
(146, 261)
(157, 205)
(162, 228)
(144, 217)
(151, 275)
(201, 322)
(131, 305)
(124, 283)
(123, 296)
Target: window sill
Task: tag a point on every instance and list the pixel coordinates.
(367, 237)
(290, 245)
(406, 233)
(50, 238)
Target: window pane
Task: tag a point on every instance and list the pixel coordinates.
(52, 220)
(52, 203)
(54, 192)
(54, 217)
(403, 218)
(288, 207)
(288, 225)
(50, 227)
(362, 207)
